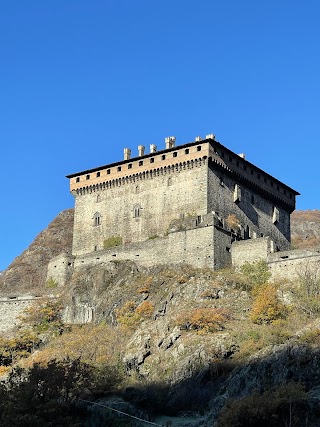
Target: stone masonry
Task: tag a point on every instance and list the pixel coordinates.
(183, 204)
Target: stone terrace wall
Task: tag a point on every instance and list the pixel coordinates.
(250, 250)
(289, 264)
(194, 247)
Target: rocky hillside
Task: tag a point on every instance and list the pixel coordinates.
(28, 271)
(189, 347)
(305, 229)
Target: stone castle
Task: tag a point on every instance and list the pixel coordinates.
(197, 203)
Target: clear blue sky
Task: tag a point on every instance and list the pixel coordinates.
(81, 80)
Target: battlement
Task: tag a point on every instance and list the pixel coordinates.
(153, 194)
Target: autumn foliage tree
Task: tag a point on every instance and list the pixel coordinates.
(267, 307)
(203, 320)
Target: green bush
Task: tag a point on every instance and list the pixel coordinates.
(112, 241)
(257, 272)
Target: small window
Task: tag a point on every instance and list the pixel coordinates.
(169, 181)
(275, 215)
(265, 180)
(222, 154)
(175, 154)
(199, 148)
(238, 164)
(278, 188)
(130, 166)
(152, 160)
(97, 219)
(98, 174)
(252, 199)
(251, 171)
(284, 191)
(237, 193)
(244, 167)
(140, 162)
(258, 176)
(119, 168)
(78, 179)
(290, 196)
(98, 198)
(88, 177)
(230, 159)
(186, 151)
(108, 171)
(136, 211)
(271, 184)
(163, 157)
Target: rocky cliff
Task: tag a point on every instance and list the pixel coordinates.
(28, 271)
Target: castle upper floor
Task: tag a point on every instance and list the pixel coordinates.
(216, 155)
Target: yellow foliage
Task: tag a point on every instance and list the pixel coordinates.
(145, 309)
(267, 307)
(203, 320)
(131, 314)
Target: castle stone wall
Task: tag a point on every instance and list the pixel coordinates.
(60, 269)
(193, 247)
(160, 198)
(292, 264)
(254, 212)
(250, 251)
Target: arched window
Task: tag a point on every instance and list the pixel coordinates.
(136, 211)
(97, 219)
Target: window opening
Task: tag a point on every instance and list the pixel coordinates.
(78, 179)
(186, 151)
(97, 219)
(119, 168)
(130, 166)
(152, 160)
(141, 163)
(199, 148)
(137, 211)
(88, 177)
(98, 174)
(175, 154)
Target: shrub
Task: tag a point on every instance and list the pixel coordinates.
(267, 307)
(145, 309)
(51, 283)
(112, 241)
(256, 272)
(307, 294)
(203, 320)
(131, 314)
(285, 406)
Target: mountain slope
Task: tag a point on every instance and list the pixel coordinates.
(28, 271)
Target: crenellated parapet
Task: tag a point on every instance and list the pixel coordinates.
(142, 176)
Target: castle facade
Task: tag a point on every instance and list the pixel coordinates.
(185, 203)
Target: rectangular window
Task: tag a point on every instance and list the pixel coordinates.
(152, 160)
(163, 157)
(130, 166)
(108, 171)
(275, 215)
(230, 159)
(98, 174)
(78, 179)
(237, 193)
(186, 151)
(88, 177)
(244, 167)
(141, 163)
(238, 164)
(174, 154)
(199, 148)
(119, 168)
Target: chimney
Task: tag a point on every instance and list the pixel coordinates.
(198, 138)
(242, 155)
(127, 153)
(153, 148)
(170, 141)
(141, 150)
(211, 136)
